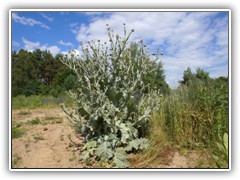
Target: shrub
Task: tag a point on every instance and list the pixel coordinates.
(113, 108)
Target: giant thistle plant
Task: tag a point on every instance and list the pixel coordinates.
(112, 106)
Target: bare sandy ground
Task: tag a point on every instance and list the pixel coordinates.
(53, 143)
(49, 144)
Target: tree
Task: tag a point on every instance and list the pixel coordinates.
(38, 72)
(189, 77)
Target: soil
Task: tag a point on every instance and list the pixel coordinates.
(49, 144)
(53, 143)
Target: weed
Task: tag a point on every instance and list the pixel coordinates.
(37, 137)
(16, 161)
(73, 158)
(24, 113)
(52, 120)
(61, 138)
(18, 132)
(35, 121)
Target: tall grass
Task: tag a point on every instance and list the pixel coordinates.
(160, 148)
(196, 115)
(190, 117)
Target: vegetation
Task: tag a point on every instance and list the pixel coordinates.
(17, 132)
(194, 116)
(35, 121)
(16, 161)
(122, 104)
(36, 101)
(39, 73)
(114, 97)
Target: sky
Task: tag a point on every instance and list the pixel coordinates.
(187, 39)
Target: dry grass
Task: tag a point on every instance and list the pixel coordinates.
(159, 151)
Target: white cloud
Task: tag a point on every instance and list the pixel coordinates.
(15, 43)
(65, 43)
(28, 45)
(50, 19)
(53, 49)
(198, 39)
(74, 24)
(31, 46)
(28, 21)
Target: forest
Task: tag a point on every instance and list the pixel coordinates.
(125, 110)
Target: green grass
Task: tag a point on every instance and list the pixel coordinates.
(18, 132)
(37, 137)
(35, 121)
(52, 120)
(24, 113)
(36, 101)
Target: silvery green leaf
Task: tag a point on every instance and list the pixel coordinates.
(143, 143)
(124, 133)
(133, 144)
(120, 158)
(85, 155)
(89, 145)
(104, 151)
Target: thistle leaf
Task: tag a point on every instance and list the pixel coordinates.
(89, 145)
(124, 132)
(120, 158)
(85, 155)
(137, 144)
(104, 152)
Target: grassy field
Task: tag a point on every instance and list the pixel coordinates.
(36, 101)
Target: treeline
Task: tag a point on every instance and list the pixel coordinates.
(39, 73)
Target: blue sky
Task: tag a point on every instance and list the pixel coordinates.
(187, 39)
